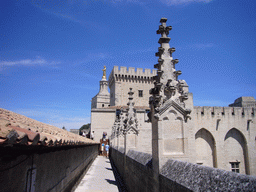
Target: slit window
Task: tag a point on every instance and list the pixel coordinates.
(140, 93)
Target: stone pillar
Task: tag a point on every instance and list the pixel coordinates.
(170, 107)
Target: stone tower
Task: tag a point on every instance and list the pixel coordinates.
(102, 99)
(120, 80)
(171, 105)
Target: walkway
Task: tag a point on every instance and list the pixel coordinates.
(100, 177)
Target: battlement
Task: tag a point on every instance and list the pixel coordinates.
(133, 71)
(205, 110)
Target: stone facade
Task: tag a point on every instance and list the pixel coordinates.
(220, 137)
(214, 133)
(120, 80)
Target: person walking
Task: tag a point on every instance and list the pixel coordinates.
(102, 148)
(107, 149)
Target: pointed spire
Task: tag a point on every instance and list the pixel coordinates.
(167, 87)
(131, 119)
(115, 128)
(121, 122)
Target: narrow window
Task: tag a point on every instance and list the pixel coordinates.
(102, 105)
(118, 111)
(140, 93)
(235, 166)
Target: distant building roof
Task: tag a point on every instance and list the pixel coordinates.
(244, 102)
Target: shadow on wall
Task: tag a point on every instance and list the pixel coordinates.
(176, 175)
(37, 168)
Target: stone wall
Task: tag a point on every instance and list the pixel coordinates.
(120, 80)
(102, 120)
(224, 135)
(36, 168)
(218, 137)
(137, 174)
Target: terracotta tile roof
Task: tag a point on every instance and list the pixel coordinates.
(21, 130)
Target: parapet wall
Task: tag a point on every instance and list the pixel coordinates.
(137, 175)
(131, 73)
(34, 168)
(225, 110)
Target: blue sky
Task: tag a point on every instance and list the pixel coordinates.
(52, 51)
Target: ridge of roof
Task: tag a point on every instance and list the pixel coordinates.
(21, 130)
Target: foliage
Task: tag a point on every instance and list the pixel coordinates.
(86, 127)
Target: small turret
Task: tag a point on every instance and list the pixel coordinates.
(102, 99)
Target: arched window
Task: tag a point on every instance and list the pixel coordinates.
(236, 152)
(205, 148)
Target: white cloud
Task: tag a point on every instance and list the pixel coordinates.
(71, 11)
(179, 2)
(27, 62)
(24, 62)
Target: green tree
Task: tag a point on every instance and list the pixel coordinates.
(86, 127)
